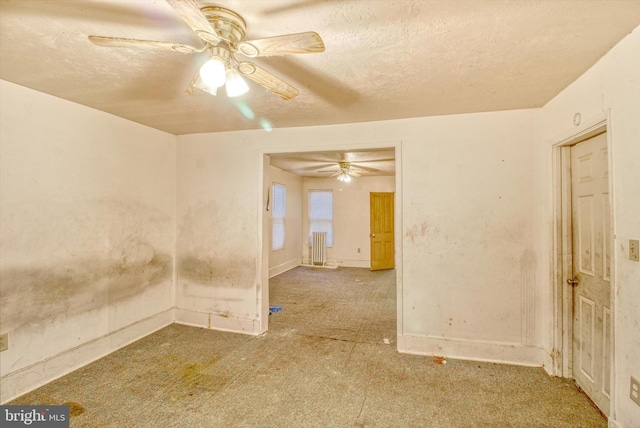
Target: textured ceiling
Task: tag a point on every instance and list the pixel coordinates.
(374, 162)
(383, 59)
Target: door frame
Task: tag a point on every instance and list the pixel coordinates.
(562, 264)
(263, 247)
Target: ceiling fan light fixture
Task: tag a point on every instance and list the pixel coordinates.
(200, 84)
(213, 72)
(344, 177)
(222, 32)
(235, 85)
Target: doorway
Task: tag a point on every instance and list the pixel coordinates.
(582, 249)
(286, 153)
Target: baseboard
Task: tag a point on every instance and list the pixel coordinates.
(333, 264)
(220, 322)
(326, 266)
(548, 364)
(366, 264)
(28, 378)
(283, 267)
(494, 352)
(614, 424)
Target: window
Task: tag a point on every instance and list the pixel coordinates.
(279, 214)
(321, 214)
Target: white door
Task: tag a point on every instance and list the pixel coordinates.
(591, 224)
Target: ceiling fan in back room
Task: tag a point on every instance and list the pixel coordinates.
(345, 172)
(223, 33)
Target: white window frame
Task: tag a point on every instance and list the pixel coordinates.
(324, 219)
(278, 216)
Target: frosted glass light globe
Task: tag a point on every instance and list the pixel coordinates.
(213, 72)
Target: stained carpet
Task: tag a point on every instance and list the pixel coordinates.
(329, 359)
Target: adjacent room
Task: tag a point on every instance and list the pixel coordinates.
(321, 212)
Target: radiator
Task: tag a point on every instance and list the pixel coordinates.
(319, 248)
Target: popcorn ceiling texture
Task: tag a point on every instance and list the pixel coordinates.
(383, 60)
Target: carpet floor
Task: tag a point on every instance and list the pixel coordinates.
(329, 359)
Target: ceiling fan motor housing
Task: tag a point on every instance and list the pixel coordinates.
(229, 26)
(345, 166)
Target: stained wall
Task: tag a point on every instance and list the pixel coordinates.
(87, 225)
(611, 88)
(466, 236)
(86, 243)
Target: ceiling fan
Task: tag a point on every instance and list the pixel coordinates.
(222, 32)
(345, 172)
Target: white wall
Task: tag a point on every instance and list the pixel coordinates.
(86, 243)
(87, 219)
(289, 256)
(613, 85)
(469, 272)
(471, 264)
(219, 240)
(351, 217)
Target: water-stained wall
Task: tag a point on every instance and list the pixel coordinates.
(466, 239)
(612, 88)
(217, 230)
(86, 220)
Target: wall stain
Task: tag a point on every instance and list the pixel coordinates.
(214, 271)
(33, 295)
(528, 267)
(418, 231)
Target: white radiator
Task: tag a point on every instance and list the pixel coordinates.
(318, 248)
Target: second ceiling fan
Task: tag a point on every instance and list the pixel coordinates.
(223, 32)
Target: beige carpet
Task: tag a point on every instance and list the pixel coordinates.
(325, 362)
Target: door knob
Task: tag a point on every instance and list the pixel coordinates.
(373, 235)
(572, 282)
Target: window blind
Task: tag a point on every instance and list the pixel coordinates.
(321, 214)
(279, 216)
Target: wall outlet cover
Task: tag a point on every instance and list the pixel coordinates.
(634, 394)
(634, 250)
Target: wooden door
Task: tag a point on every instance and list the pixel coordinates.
(591, 227)
(382, 234)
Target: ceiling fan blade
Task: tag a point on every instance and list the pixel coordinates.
(300, 43)
(268, 80)
(364, 169)
(318, 168)
(190, 13)
(117, 42)
(354, 174)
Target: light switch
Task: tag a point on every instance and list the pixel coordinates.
(634, 250)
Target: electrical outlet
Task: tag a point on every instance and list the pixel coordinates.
(634, 251)
(635, 390)
(4, 342)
